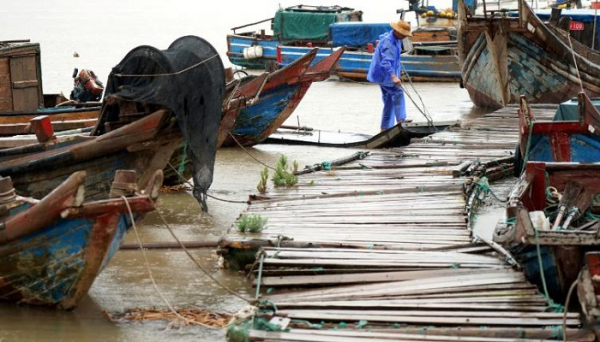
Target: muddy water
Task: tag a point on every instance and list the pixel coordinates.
(102, 33)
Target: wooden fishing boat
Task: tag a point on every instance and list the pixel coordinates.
(51, 250)
(551, 221)
(572, 136)
(430, 56)
(399, 135)
(504, 57)
(277, 94)
(22, 97)
(139, 128)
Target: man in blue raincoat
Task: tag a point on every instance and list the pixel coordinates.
(385, 70)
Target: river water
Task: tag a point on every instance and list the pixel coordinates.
(102, 33)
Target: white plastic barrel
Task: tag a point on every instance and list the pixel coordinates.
(251, 52)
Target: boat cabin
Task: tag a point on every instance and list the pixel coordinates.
(20, 76)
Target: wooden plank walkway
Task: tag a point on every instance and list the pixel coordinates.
(380, 249)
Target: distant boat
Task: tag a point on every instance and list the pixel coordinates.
(22, 97)
(430, 56)
(504, 57)
(51, 250)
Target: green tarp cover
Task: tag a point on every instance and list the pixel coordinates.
(303, 25)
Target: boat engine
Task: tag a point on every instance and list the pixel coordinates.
(86, 86)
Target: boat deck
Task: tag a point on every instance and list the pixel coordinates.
(381, 248)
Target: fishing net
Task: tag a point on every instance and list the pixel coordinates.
(189, 79)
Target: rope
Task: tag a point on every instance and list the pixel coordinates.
(526, 156)
(424, 111)
(553, 305)
(170, 74)
(568, 299)
(243, 148)
(575, 62)
(183, 158)
(208, 195)
(484, 186)
(137, 237)
(196, 262)
(259, 279)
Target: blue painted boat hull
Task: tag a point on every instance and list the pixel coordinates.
(527, 257)
(583, 149)
(277, 96)
(255, 123)
(45, 267)
(352, 64)
(572, 135)
(51, 250)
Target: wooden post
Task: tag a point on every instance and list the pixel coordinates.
(228, 74)
(42, 127)
(7, 192)
(124, 184)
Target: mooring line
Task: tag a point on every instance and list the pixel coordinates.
(171, 308)
(424, 111)
(207, 194)
(169, 74)
(137, 237)
(208, 274)
(243, 148)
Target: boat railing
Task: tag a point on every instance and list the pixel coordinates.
(435, 43)
(251, 24)
(492, 8)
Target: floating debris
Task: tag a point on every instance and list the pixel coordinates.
(179, 317)
(176, 188)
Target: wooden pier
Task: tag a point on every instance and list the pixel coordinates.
(381, 249)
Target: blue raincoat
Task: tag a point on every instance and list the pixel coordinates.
(385, 62)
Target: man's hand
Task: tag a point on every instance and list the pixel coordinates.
(396, 80)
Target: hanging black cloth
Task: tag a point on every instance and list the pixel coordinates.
(189, 79)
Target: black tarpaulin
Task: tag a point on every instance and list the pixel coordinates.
(189, 79)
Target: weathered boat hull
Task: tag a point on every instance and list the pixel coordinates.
(143, 145)
(352, 64)
(550, 257)
(279, 95)
(54, 260)
(572, 136)
(503, 58)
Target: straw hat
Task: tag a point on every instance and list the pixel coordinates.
(401, 27)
